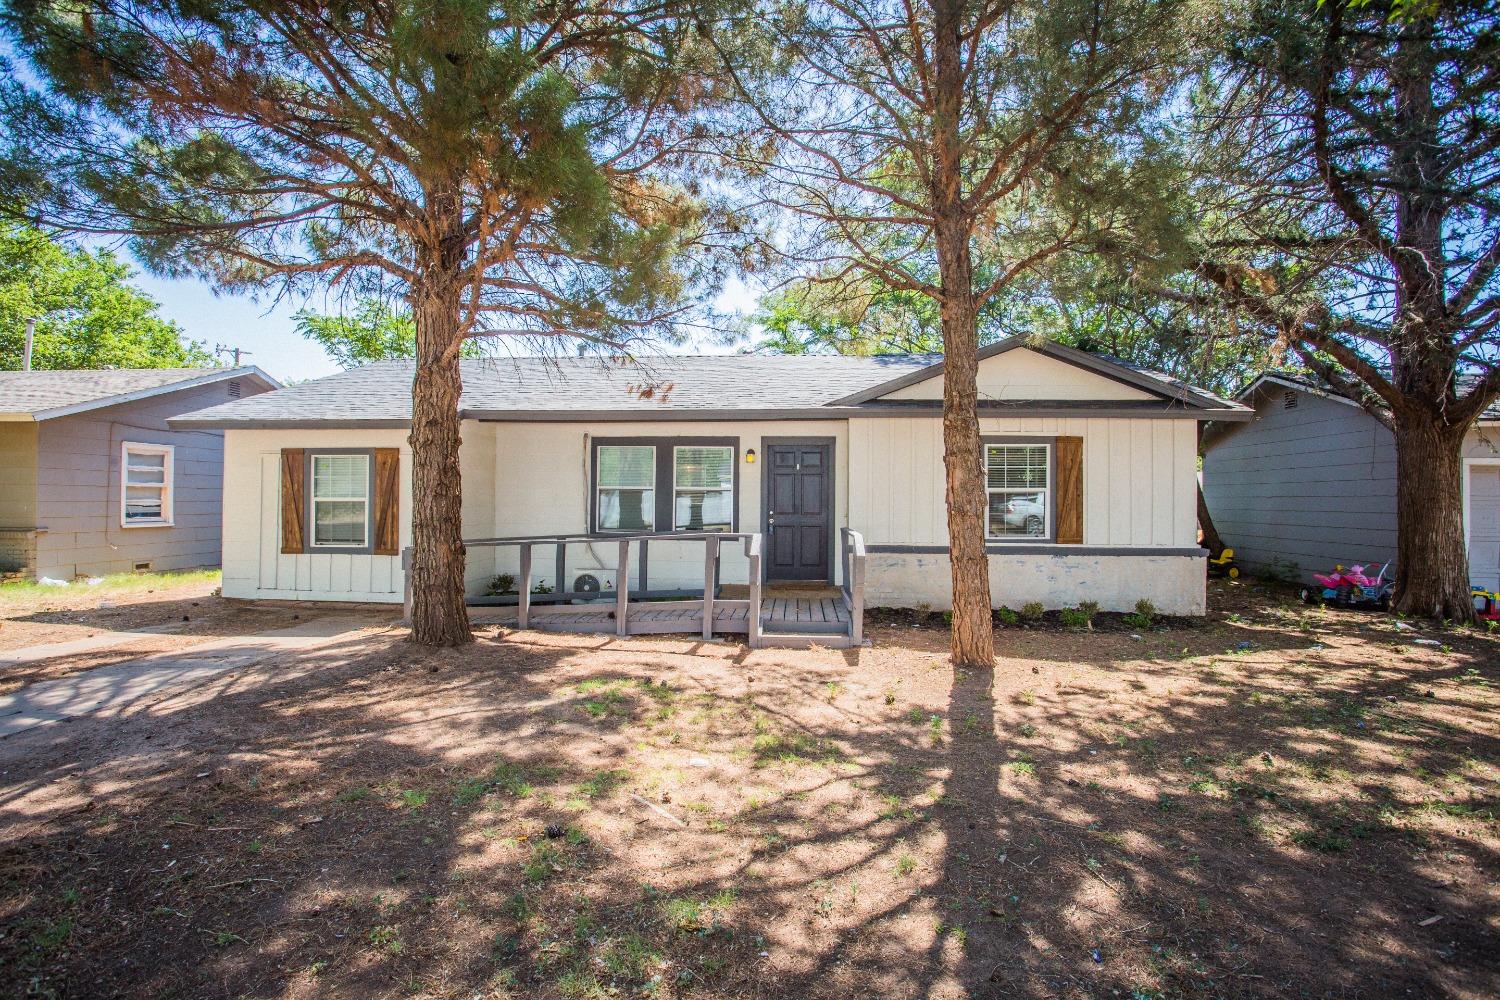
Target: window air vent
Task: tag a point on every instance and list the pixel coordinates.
(234, 388)
(1289, 401)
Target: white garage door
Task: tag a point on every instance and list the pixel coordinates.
(1484, 525)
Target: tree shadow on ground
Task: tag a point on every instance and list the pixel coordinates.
(373, 819)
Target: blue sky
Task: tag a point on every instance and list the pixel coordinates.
(265, 327)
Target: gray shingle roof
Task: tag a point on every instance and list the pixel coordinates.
(382, 391)
(1316, 385)
(46, 394)
(676, 387)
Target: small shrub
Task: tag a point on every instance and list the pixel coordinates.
(1032, 611)
(1143, 616)
(501, 585)
(1074, 617)
(1007, 617)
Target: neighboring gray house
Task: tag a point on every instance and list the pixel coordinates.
(94, 481)
(1311, 482)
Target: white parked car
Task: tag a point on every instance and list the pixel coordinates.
(1027, 512)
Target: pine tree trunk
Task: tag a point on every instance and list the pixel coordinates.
(1432, 564)
(439, 616)
(973, 627)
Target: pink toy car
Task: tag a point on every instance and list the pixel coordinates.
(1351, 587)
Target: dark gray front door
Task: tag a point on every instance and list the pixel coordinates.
(799, 510)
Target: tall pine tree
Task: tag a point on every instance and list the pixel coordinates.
(500, 166)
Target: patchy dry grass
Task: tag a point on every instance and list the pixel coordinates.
(1278, 802)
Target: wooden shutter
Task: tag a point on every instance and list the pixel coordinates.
(293, 500)
(387, 501)
(1069, 491)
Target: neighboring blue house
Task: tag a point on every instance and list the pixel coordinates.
(95, 481)
(1311, 482)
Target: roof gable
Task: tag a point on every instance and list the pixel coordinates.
(1020, 368)
(1025, 374)
(49, 394)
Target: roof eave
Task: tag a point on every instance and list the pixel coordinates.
(209, 378)
(273, 424)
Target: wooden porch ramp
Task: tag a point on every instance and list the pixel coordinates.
(800, 620)
(797, 617)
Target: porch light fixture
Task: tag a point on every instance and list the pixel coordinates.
(750, 456)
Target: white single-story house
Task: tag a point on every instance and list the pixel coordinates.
(1090, 467)
(1310, 482)
(94, 481)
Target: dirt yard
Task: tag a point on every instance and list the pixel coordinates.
(1278, 802)
(175, 610)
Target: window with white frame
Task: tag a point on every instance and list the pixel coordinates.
(1018, 479)
(145, 484)
(702, 488)
(340, 501)
(626, 488)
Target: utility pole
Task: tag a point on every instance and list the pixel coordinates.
(30, 337)
(235, 351)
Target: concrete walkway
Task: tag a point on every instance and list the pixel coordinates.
(107, 639)
(106, 691)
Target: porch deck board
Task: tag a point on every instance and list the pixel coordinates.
(785, 613)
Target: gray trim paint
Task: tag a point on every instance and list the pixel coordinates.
(829, 498)
(916, 408)
(665, 471)
(1019, 408)
(1061, 551)
(307, 478)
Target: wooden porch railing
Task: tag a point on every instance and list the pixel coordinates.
(852, 556)
(559, 601)
(710, 612)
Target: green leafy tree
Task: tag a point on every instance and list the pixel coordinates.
(814, 318)
(945, 148)
(1349, 186)
(504, 168)
(88, 315)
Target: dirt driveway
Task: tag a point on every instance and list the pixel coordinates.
(1278, 802)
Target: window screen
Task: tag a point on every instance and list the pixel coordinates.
(340, 500)
(146, 480)
(1017, 479)
(703, 488)
(627, 488)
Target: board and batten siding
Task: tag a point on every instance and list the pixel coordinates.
(1139, 483)
(255, 566)
(1304, 487)
(541, 486)
(78, 487)
(1138, 478)
(1027, 374)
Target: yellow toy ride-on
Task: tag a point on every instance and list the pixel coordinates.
(1223, 565)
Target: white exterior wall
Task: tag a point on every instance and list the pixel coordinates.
(1139, 485)
(254, 566)
(541, 486)
(1139, 478)
(532, 479)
